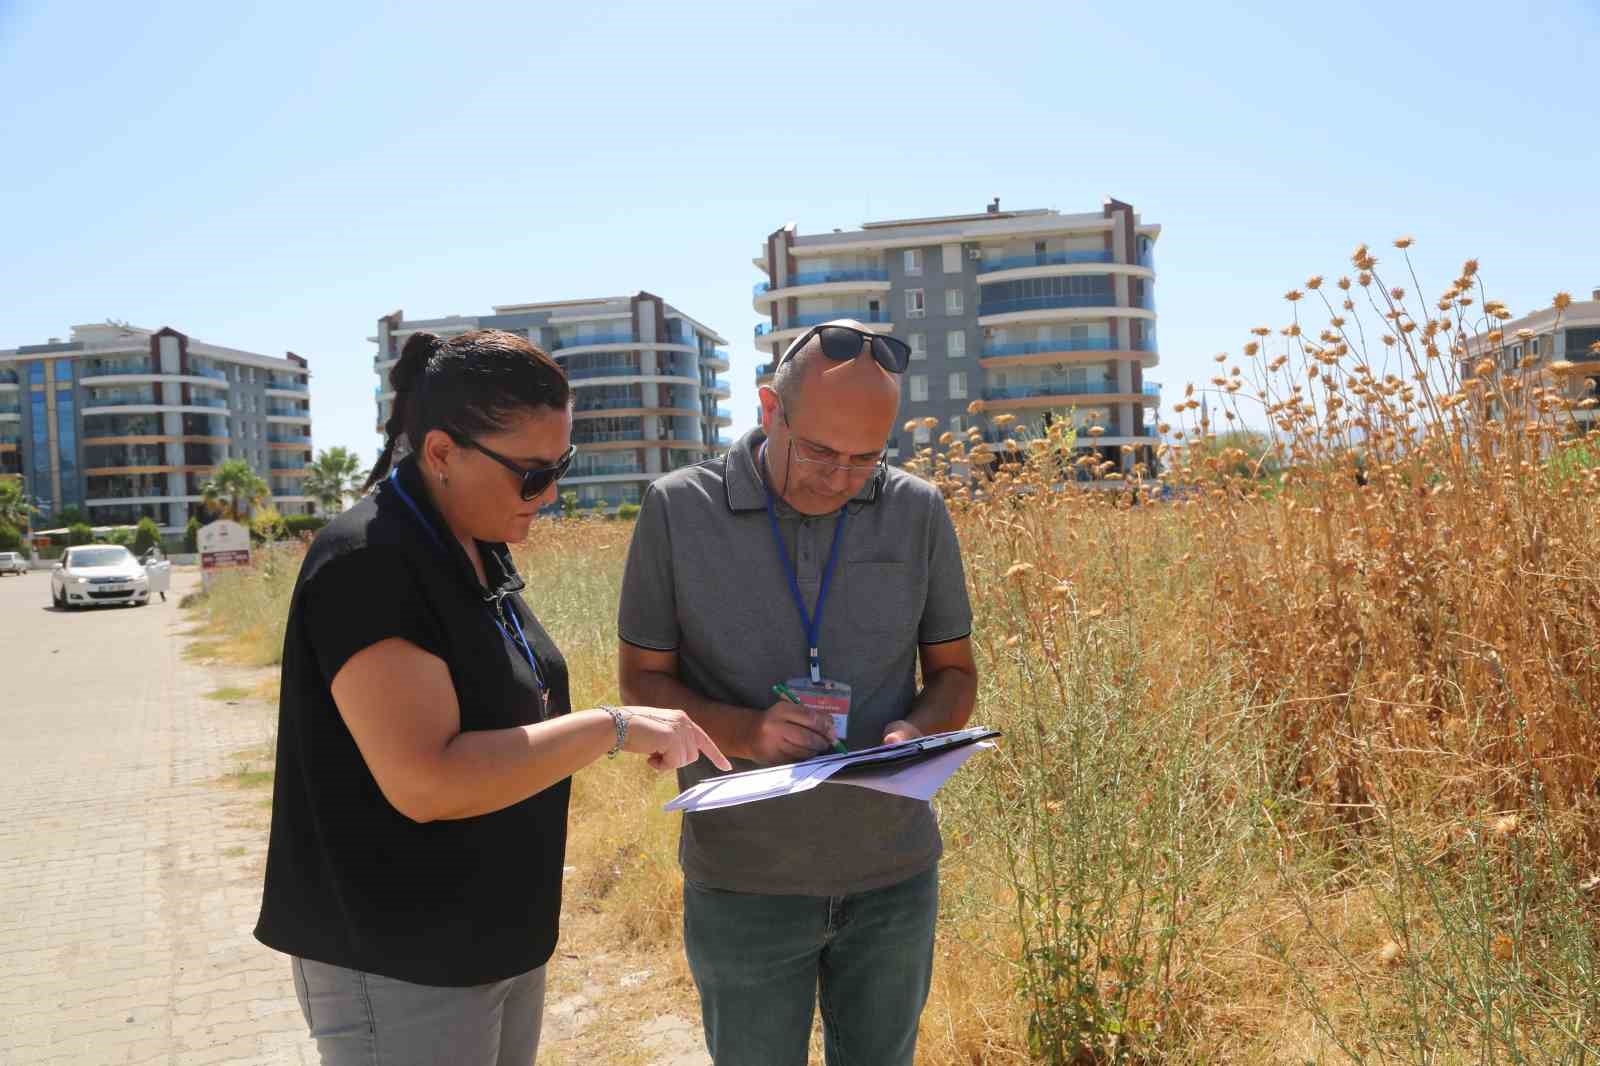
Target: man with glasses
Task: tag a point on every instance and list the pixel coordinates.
(802, 559)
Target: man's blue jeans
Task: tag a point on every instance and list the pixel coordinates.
(760, 963)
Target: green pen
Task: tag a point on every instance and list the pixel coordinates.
(784, 692)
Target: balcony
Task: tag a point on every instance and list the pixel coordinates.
(10, 409)
(860, 314)
(196, 400)
(590, 340)
(146, 397)
(1080, 344)
(614, 403)
(613, 470)
(1021, 262)
(212, 372)
(821, 277)
(291, 385)
(725, 414)
(285, 462)
(608, 436)
(765, 369)
(1044, 303)
(721, 385)
(720, 356)
(106, 370)
(288, 438)
(1065, 388)
(279, 410)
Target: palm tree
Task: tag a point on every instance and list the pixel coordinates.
(335, 474)
(232, 483)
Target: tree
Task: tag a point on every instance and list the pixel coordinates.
(10, 538)
(336, 474)
(234, 484)
(15, 508)
(147, 536)
(191, 535)
(69, 516)
(569, 504)
(79, 533)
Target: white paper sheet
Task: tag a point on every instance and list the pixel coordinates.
(918, 778)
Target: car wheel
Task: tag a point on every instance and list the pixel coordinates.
(56, 598)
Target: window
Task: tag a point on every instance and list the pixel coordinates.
(958, 385)
(952, 301)
(1533, 346)
(958, 425)
(952, 258)
(919, 345)
(915, 308)
(914, 262)
(955, 344)
(922, 434)
(63, 370)
(919, 388)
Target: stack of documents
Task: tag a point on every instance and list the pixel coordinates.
(912, 768)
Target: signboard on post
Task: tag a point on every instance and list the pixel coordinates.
(222, 544)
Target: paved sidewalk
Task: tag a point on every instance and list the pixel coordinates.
(129, 874)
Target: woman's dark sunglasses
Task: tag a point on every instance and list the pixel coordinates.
(536, 480)
(843, 343)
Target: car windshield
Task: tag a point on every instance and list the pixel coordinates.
(99, 557)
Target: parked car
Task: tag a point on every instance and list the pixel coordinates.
(13, 563)
(98, 574)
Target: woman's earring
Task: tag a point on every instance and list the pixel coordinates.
(442, 479)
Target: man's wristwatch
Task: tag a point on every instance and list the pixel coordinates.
(619, 719)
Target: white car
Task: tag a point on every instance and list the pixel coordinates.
(96, 574)
(13, 563)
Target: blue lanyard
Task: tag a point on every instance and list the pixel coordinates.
(812, 622)
(520, 639)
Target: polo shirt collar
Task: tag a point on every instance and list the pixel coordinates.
(497, 562)
(746, 485)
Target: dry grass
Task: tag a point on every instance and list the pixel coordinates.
(1300, 759)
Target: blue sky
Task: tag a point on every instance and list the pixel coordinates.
(277, 178)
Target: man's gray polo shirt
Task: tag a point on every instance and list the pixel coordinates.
(704, 579)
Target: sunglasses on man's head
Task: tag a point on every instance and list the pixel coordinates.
(538, 479)
(844, 343)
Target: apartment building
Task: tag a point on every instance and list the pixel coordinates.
(648, 398)
(1570, 335)
(1041, 315)
(127, 423)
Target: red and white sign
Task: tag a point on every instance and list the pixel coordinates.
(223, 544)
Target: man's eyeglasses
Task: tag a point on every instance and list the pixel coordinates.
(799, 449)
(844, 343)
(534, 481)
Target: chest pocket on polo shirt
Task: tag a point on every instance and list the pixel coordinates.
(884, 598)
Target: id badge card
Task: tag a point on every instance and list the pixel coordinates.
(830, 697)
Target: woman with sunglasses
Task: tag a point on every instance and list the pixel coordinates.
(425, 736)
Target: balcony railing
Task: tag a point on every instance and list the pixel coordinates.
(285, 463)
(282, 411)
(103, 399)
(721, 356)
(10, 409)
(860, 314)
(823, 277)
(722, 384)
(724, 441)
(1018, 262)
(1046, 303)
(595, 338)
(288, 438)
(106, 370)
(724, 412)
(1079, 344)
(1152, 388)
(622, 403)
(763, 369)
(602, 372)
(212, 372)
(294, 385)
(1056, 388)
(607, 435)
(10, 438)
(607, 471)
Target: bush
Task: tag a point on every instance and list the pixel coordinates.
(628, 511)
(296, 524)
(191, 534)
(266, 525)
(10, 538)
(123, 537)
(147, 536)
(79, 533)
